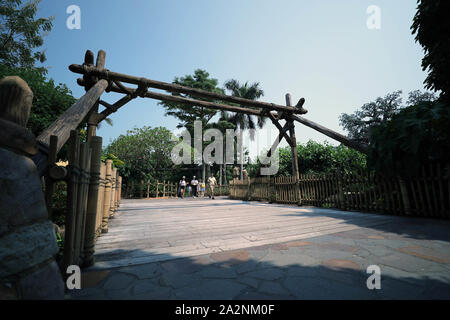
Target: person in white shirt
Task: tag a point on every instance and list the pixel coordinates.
(212, 183)
(182, 186)
(194, 184)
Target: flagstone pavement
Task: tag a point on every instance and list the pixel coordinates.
(412, 254)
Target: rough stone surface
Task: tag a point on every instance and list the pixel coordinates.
(26, 247)
(45, 283)
(118, 281)
(21, 199)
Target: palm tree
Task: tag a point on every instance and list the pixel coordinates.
(245, 121)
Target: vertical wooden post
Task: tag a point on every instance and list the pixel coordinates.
(164, 188)
(72, 188)
(92, 121)
(91, 210)
(295, 171)
(112, 208)
(120, 189)
(107, 198)
(49, 183)
(148, 189)
(80, 203)
(404, 196)
(100, 202)
(157, 186)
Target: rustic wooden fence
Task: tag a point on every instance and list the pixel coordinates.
(93, 196)
(157, 190)
(426, 194)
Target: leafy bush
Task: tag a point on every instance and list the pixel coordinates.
(314, 157)
(417, 135)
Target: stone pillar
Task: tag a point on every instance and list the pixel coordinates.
(27, 238)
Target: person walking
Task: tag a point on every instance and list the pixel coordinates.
(212, 184)
(194, 184)
(182, 186)
(202, 188)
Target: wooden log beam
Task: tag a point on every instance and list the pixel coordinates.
(93, 114)
(280, 128)
(105, 74)
(68, 121)
(332, 134)
(275, 144)
(295, 171)
(131, 93)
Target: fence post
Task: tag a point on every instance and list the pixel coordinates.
(112, 209)
(107, 198)
(100, 201)
(119, 197)
(341, 197)
(81, 202)
(72, 188)
(157, 186)
(164, 188)
(91, 211)
(405, 195)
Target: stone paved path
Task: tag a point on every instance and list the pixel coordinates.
(413, 255)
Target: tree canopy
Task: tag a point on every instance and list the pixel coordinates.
(188, 114)
(247, 91)
(21, 34)
(145, 152)
(431, 27)
(414, 137)
(361, 123)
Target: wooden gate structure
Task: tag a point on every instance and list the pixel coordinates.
(97, 79)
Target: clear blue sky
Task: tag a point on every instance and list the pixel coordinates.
(319, 50)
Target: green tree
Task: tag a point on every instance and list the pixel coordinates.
(322, 158)
(245, 121)
(145, 153)
(361, 123)
(187, 114)
(416, 136)
(431, 26)
(21, 33)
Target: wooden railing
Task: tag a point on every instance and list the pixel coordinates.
(165, 189)
(426, 194)
(93, 196)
